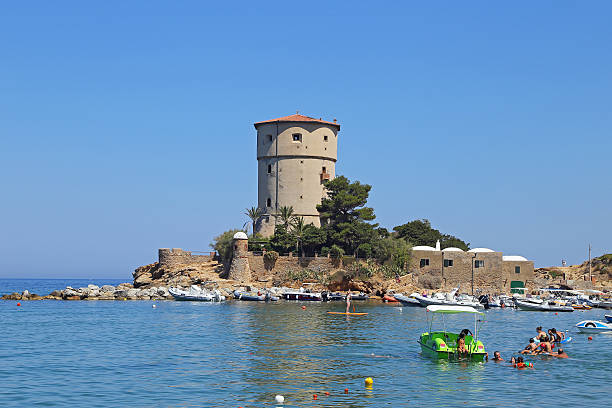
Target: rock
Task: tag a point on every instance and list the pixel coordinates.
(34, 296)
(106, 296)
(56, 293)
(120, 294)
(107, 288)
(76, 297)
(69, 292)
(125, 285)
(133, 293)
(84, 292)
(25, 294)
(93, 287)
(12, 296)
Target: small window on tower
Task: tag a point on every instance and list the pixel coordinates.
(297, 137)
(270, 138)
(324, 169)
(269, 168)
(269, 202)
(325, 138)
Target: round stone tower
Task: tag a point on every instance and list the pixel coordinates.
(239, 268)
(295, 155)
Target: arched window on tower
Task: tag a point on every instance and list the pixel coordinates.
(269, 202)
(269, 168)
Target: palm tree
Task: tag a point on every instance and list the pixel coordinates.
(286, 216)
(299, 226)
(254, 214)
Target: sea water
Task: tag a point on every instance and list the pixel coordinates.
(231, 354)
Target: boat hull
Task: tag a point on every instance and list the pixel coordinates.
(594, 326)
(533, 307)
(442, 345)
(608, 318)
(407, 301)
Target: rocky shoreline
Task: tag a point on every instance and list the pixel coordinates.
(123, 291)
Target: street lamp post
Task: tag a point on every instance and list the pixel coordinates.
(473, 258)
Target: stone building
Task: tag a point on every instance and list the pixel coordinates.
(492, 271)
(295, 155)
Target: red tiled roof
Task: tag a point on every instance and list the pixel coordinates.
(297, 118)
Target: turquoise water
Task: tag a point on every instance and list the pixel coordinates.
(182, 354)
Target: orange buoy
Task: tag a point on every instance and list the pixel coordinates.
(18, 304)
(590, 338)
(314, 396)
(326, 393)
(303, 307)
(346, 390)
(556, 313)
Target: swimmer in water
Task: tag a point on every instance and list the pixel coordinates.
(530, 348)
(541, 333)
(545, 346)
(497, 357)
(461, 345)
(560, 354)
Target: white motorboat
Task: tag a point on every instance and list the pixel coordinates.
(594, 326)
(448, 299)
(302, 294)
(541, 307)
(195, 293)
(407, 300)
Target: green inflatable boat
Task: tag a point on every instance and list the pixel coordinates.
(443, 344)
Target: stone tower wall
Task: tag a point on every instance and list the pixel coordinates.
(294, 169)
(176, 256)
(239, 269)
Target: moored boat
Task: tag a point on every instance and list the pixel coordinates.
(254, 297)
(303, 295)
(594, 326)
(407, 300)
(608, 318)
(197, 294)
(443, 344)
(541, 307)
(391, 299)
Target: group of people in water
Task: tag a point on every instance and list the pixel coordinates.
(543, 343)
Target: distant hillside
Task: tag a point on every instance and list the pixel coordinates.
(578, 275)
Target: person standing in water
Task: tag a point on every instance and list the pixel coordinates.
(348, 302)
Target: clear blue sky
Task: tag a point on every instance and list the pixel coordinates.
(127, 126)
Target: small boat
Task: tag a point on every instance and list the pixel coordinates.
(391, 299)
(359, 296)
(605, 304)
(254, 297)
(443, 344)
(541, 307)
(594, 326)
(448, 299)
(303, 295)
(333, 296)
(407, 300)
(608, 318)
(197, 294)
(581, 306)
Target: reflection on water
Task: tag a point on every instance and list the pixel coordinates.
(243, 354)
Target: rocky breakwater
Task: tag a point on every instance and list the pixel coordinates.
(123, 291)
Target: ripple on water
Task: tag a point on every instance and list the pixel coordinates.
(238, 353)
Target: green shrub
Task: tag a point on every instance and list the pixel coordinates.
(336, 252)
(271, 256)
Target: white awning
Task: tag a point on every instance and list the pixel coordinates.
(452, 309)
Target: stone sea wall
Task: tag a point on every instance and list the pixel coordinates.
(123, 291)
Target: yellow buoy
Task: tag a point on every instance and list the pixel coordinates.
(369, 382)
